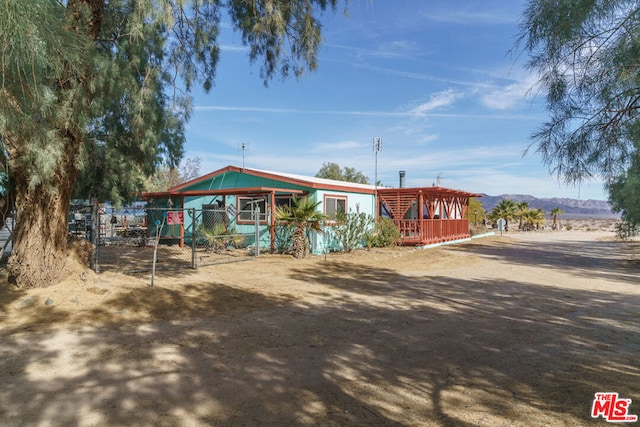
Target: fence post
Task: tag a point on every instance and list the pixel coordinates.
(256, 252)
(95, 233)
(194, 264)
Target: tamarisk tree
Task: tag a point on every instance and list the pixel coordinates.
(95, 94)
(587, 56)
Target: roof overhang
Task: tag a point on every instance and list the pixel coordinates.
(221, 192)
(303, 181)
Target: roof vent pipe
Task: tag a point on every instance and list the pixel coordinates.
(402, 174)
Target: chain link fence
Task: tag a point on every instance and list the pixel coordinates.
(181, 238)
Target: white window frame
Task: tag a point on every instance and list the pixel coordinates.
(246, 216)
(331, 207)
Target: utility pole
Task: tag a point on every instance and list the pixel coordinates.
(377, 147)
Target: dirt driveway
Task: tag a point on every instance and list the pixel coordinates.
(519, 330)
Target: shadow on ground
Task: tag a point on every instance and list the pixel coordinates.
(371, 346)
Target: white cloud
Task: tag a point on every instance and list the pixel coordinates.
(339, 146)
(509, 96)
(233, 48)
(437, 101)
(393, 49)
(458, 16)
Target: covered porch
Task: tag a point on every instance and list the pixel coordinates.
(426, 215)
(224, 206)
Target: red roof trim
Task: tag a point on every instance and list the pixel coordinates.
(274, 176)
(227, 191)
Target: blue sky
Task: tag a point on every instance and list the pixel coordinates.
(435, 80)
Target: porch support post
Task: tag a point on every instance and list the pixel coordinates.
(421, 216)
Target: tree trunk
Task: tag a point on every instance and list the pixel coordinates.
(298, 246)
(39, 252)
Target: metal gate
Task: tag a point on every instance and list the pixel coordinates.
(182, 238)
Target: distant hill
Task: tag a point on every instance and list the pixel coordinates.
(572, 208)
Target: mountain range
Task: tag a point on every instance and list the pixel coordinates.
(571, 207)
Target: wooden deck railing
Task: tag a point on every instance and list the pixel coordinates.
(428, 231)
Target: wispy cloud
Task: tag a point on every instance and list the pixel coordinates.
(510, 95)
(414, 75)
(382, 52)
(391, 49)
(437, 101)
(232, 48)
(428, 106)
(457, 16)
(270, 110)
(339, 146)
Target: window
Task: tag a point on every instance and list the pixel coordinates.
(248, 207)
(334, 205)
(282, 201)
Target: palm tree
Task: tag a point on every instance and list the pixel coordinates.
(505, 209)
(301, 216)
(555, 213)
(533, 218)
(520, 212)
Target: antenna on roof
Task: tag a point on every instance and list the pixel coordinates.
(244, 148)
(438, 179)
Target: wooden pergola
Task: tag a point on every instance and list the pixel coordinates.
(426, 215)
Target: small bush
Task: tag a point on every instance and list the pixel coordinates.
(219, 237)
(385, 235)
(283, 239)
(352, 230)
(625, 231)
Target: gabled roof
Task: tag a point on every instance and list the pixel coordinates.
(306, 181)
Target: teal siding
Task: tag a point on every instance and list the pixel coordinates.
(356, 202)
(230, 180)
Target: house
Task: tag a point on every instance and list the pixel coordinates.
(245, 200)
(236, 197)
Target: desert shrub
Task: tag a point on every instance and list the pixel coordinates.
(625, 230)
(352, 229)
(569, 227)
(283, 238)
(477, 229)
(219, 237)
(385, 234)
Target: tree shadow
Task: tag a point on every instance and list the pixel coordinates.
(607, 259)
(572, 343)
(370, 346)
(9, 293)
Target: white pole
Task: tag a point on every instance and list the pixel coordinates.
(377, 146)
(257, 250)
(155, 248)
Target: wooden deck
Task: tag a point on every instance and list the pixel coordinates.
(428, 231)
(427, 215)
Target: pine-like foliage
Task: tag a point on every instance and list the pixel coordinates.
(95, 94)
(587, 56)
(624, 194)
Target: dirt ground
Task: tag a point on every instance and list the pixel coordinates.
(513, 330)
